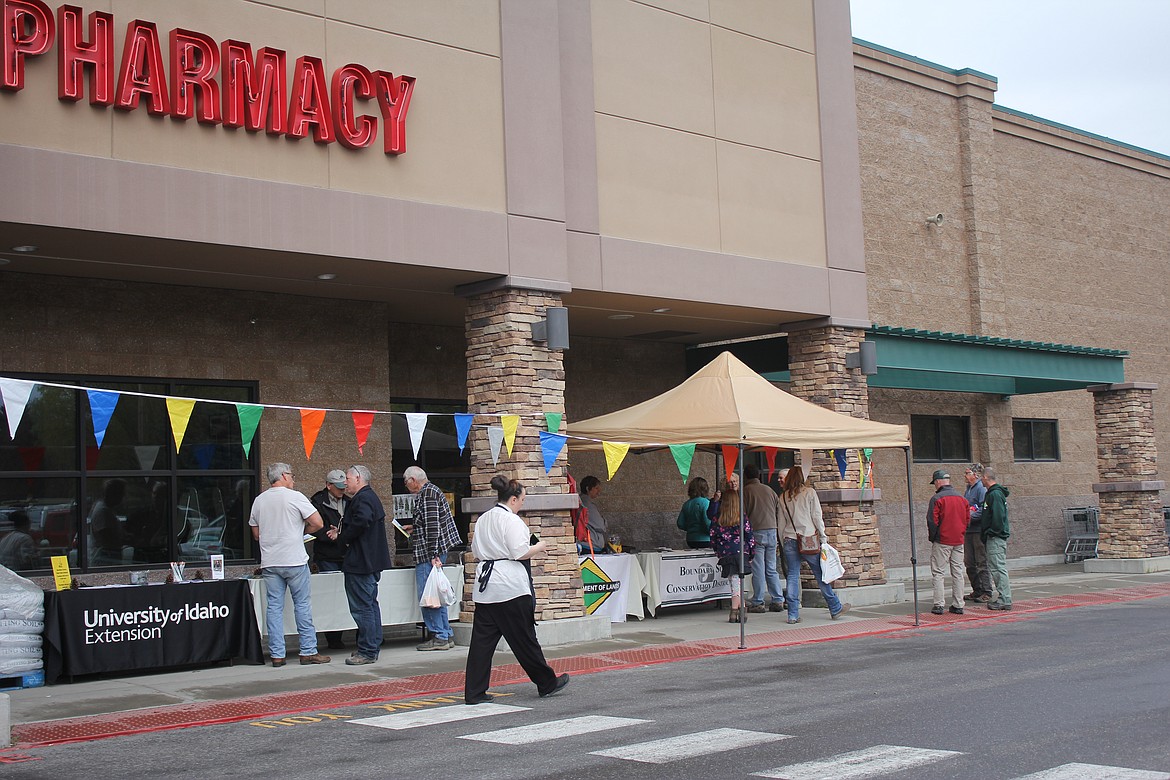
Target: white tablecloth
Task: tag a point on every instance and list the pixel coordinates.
(397, 598)
(683, 577)
(625, 577)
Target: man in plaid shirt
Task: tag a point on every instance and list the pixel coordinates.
(432, 535)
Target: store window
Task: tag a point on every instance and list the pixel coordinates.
(438, 456)
(1035, 440)
(940, 439)
(134, 501)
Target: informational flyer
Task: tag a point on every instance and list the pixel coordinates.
(61, 575)
(217, 567)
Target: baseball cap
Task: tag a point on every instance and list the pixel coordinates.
(336, 478)
(940, 474)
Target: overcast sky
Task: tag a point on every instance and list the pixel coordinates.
(1102, 66)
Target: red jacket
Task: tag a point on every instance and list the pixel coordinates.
(947, 516)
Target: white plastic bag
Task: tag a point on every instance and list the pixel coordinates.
(437, 592)
(831, 567)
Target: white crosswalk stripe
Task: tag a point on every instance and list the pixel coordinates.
(871, 762)
(415, 718)
(555, 729)
(662, 751)
(1081, 771)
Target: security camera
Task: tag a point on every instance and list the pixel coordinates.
(936, 220)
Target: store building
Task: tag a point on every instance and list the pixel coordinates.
(379, 231)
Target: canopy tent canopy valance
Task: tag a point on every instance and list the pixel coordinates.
(726, 402)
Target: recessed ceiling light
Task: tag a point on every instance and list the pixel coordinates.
(4, 261)
(25, 248)
(326, 277)
(662, 310)
(621, 316)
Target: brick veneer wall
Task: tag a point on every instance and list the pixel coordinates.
(1048, 236)
(817, 365)
(508, 372)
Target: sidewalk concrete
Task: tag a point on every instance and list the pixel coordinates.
(92, 708)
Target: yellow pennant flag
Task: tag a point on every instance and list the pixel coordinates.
(614, 455)
(510, 423)
(179, 410)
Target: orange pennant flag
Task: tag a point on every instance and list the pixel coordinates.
(770, 456)
(730, 456)
(362, 422)
(311, 421)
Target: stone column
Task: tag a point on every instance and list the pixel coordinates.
(1131, 523)
(816, 360)
(507, 372)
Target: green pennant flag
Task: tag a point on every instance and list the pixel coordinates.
(553, 421)
(249, 420)
(683, 455)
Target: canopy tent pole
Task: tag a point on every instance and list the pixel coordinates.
(913, 545)
(742, 515)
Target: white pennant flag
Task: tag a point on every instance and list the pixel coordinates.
(15, 393)
(495, 441)
(417, 422)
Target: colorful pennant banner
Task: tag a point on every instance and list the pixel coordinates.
(179, 411)
(311, 422)
(551, 445)
(510, 422)
(362, 422)
(249, 415)
(14, 393)
(416, 422)
(683, 455)
(730, 457)
(553, 421)
(615, 453)
(462, 428)
(101, 408)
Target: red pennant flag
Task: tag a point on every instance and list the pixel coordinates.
(770, 455)
(730, 456)
(362, 422)
(311, 421)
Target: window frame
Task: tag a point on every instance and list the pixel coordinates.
(937, 455)
(82, 474)
(1031, 423)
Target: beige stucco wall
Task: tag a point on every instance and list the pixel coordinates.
(707, 127)
(454, 125)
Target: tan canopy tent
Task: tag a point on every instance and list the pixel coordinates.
(726, 402)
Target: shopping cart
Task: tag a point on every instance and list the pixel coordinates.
(1081, 530)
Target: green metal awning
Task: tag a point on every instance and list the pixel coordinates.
(957, 362)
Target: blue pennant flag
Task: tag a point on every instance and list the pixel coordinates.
(101, 409)
(551, 445)
(462, 428)
(842, 463)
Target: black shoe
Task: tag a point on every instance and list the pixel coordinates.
(562, 681)
(956, 610)
(998, 607)
(937, 610)
(483, 698)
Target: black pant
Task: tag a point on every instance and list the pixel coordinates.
(514, 621)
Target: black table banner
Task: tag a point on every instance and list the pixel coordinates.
(113, 629)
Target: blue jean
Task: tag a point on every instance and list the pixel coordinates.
(792, 557)
(434, 618)
(361, 590)
(296, 579)
(764, 567)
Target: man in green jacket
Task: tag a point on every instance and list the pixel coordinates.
(995, 533)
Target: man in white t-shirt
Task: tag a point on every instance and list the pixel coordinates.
(280, 519)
